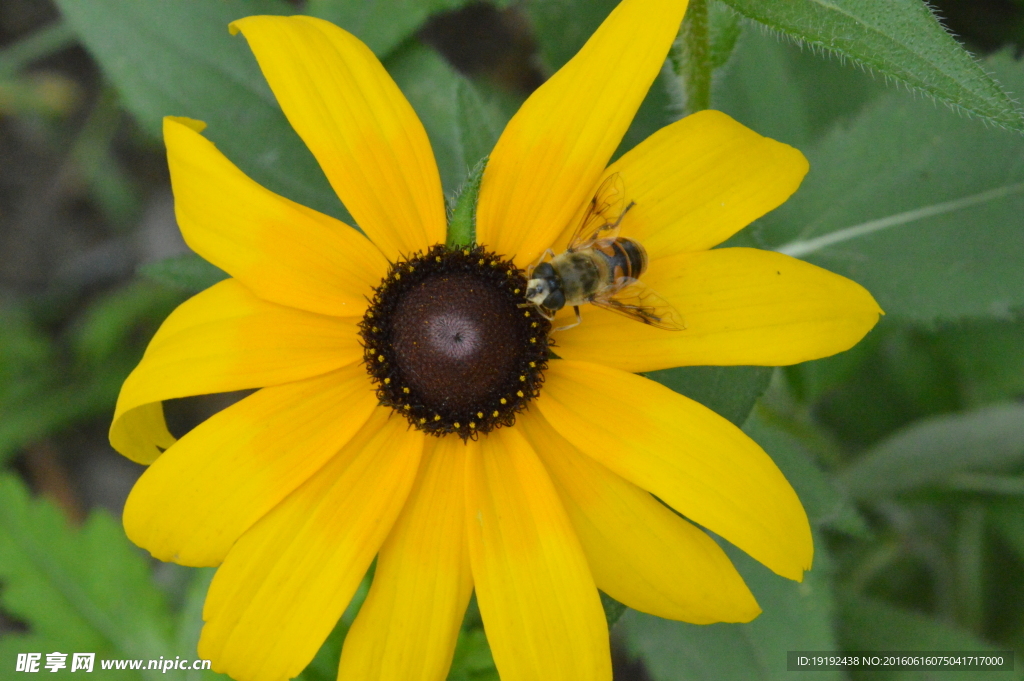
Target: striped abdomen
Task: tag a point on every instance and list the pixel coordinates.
(625, 257)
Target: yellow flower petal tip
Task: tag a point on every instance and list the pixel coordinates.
(728, 177)
(190, 123)
(743, 306)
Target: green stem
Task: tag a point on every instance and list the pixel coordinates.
(42, 43)
(691, 57)
(462, 224)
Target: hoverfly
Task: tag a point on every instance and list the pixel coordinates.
(600, 267)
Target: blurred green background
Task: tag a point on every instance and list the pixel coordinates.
(907, 451)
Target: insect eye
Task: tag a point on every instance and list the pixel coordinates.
(544, 271)
(555, 300)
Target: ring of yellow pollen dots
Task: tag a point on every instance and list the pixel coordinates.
(450, 344)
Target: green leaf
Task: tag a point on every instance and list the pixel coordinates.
(729, 391)
(39, 395)
(40, 44)
(461, 124)
(480, 122)
(560, 27)
(177, 58)
(892, 378)
(899, 39)
(1008, 520)
(472, 660)
(27, 360)
(613, 610)
(660, 107)
(189, 620)
(788, 93)
(988, 356)
(867, 624)
(927, 452)
(84, 590)
(187, 272)
(106, 327)
(381, 24)
(796, 616)
(1011, 485)
(824, 503)
(919, 207)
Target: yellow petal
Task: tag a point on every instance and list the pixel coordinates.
(741, 306)
(287, 580)
(357, 123)
(540, 607)
(641, 554)
(282, 251)
(548, 161)
(224, 339)
(409, 623)
(194, 502)
(685, 454)
(700, 180)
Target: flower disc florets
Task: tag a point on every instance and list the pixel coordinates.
(449, 343)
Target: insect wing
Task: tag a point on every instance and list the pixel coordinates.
(605, 212)
(634, 299)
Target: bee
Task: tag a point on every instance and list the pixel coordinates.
(601, 268)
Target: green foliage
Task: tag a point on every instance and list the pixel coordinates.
(462, 125)
(472, 661)
(561, 27)
(46, 386)
(796, 616)
(868, 624)
(987, 356)
(84, 590)
(825, 504)
(729, 391)
(1008, 520)
(789, 93)
(187, 272)
(918, 206)
(613, 610)
(26, 356)
(178, 59)
(381, 24)
(990, 439)
(899, 39)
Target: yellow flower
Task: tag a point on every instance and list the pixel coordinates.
(295, 489)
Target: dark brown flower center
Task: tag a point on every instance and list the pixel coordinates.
(449, 346)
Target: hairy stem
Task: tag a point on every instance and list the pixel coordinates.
(691, 57)
(462, 223)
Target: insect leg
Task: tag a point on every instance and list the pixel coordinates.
(543, 313)
(579, 320)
